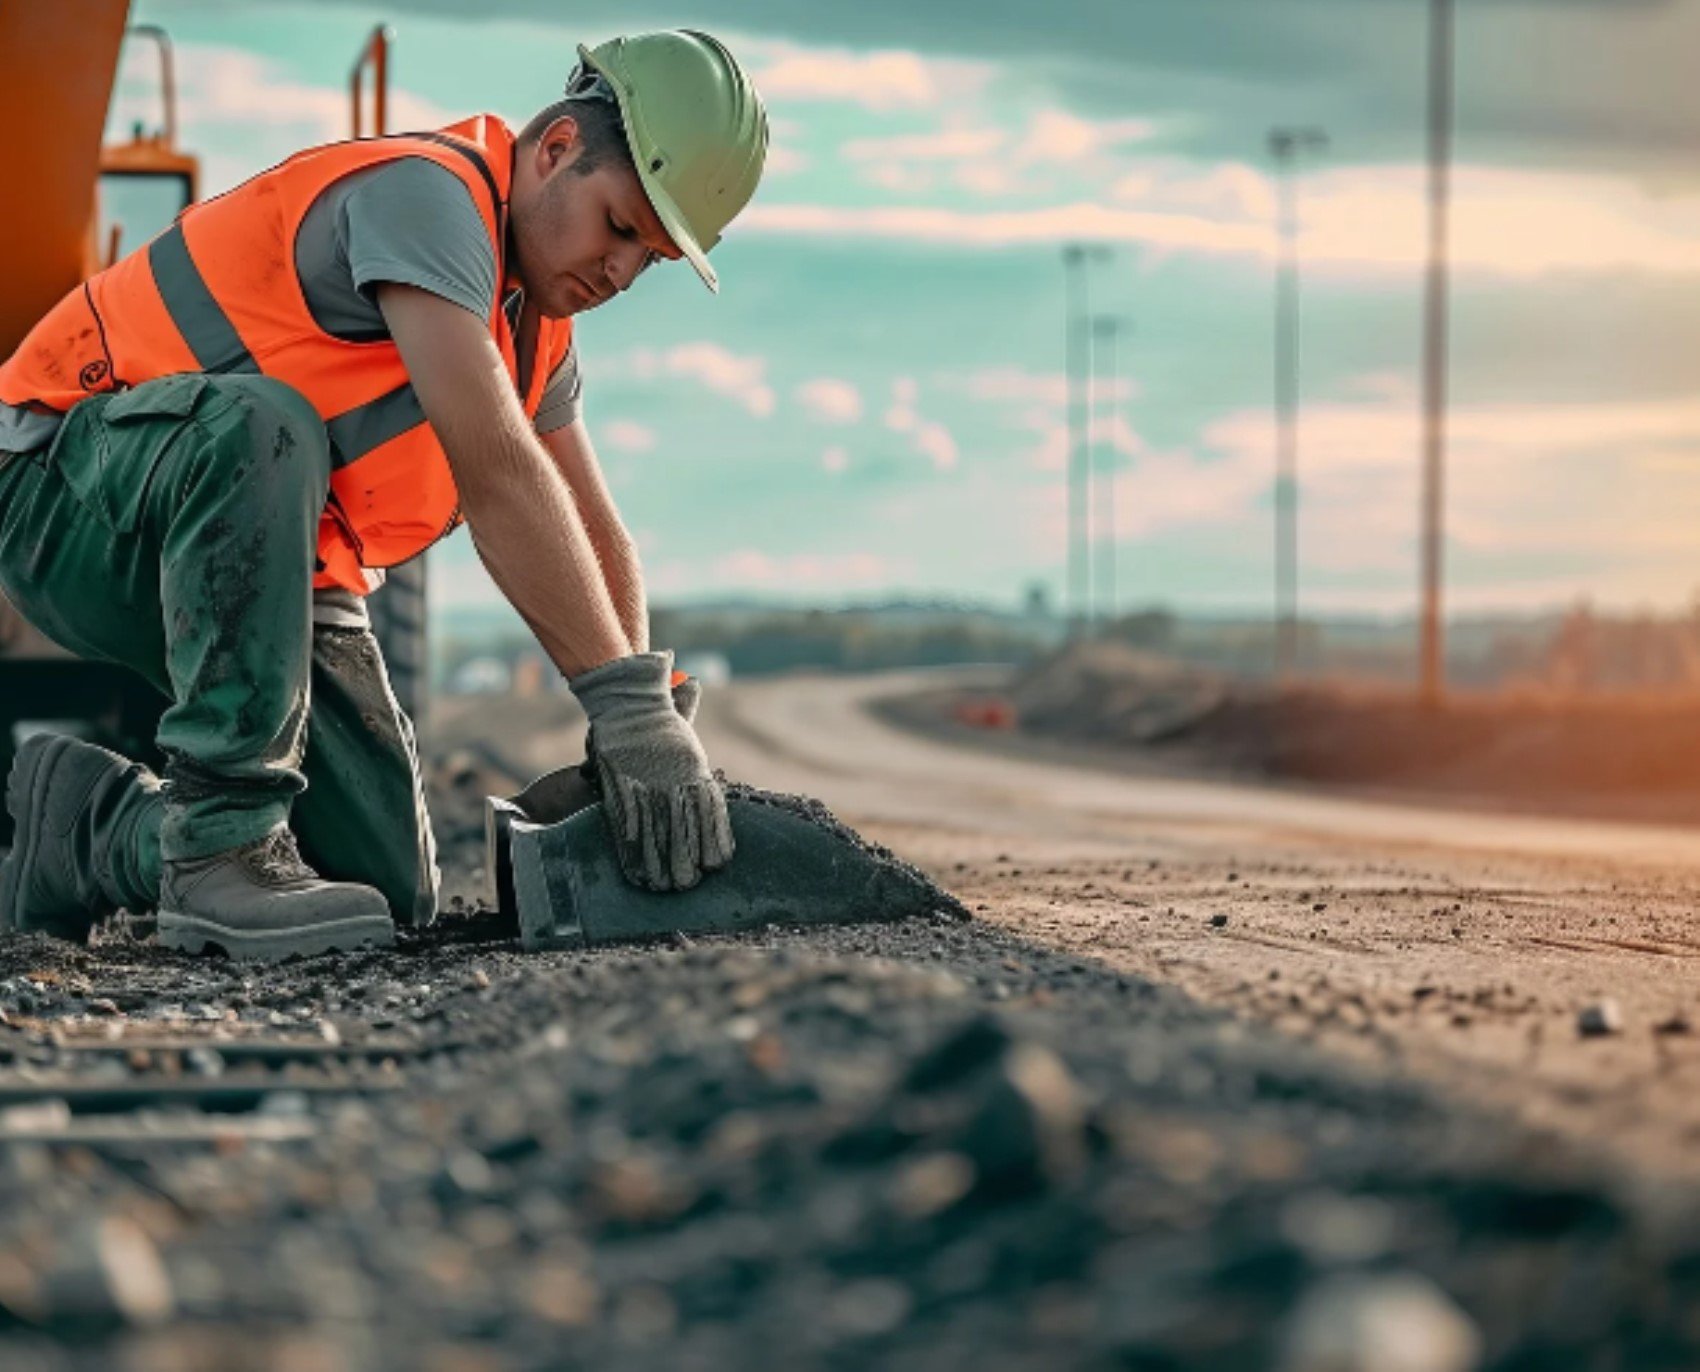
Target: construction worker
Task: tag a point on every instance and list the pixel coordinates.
(210, 451)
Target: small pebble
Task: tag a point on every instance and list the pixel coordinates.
(1218, 921)
(1600, 1020)
(1396, 1322)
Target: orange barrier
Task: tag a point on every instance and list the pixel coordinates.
(985, 712)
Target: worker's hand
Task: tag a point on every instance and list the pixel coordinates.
(687, 695)
(667, 811)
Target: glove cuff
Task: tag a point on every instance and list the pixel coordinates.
(639, 676)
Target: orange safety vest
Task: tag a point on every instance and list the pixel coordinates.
(218, 292)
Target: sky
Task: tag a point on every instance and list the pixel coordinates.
(874, 406)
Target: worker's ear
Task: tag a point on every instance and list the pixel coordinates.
(560, 146)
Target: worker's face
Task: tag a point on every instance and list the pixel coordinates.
(580, 239)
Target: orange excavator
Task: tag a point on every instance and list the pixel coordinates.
(80, 202)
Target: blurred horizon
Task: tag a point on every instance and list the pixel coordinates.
(874, 407)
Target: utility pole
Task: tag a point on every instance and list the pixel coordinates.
(1077, 259)
(1105, 332)
(1285, 146)
(1442, 28)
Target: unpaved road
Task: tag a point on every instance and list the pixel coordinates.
(1461, 945)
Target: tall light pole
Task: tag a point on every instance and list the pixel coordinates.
(1285, 146)
(1077, 259)
(1435, 328)
(1106, 330)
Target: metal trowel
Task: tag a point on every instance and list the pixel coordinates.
(550, 799)
(795, 864)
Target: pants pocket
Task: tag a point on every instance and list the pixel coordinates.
(109, 447)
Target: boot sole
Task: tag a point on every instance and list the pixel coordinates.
(25, 794)
(193, 934)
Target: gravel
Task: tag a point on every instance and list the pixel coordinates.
(924, 1145)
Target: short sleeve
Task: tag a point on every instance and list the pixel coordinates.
(562, 397)
(414, 223)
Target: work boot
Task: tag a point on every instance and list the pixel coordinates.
(69, 801)
(262, 901)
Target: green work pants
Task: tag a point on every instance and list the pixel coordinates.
(173, 528)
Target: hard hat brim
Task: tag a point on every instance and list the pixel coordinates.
(672, 219)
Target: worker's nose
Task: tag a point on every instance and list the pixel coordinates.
(624, 264)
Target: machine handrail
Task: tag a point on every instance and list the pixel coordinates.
(376, 54)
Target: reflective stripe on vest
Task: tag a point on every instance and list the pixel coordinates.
(205, 327)
(360, 430)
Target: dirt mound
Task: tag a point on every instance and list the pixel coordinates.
(1111, 691)
(1617, 755)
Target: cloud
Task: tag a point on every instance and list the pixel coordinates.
(927, 437)
(986, 178)
(738, 377)
(1233, 191)
(1113, 431)
(1017, 386)
(626, 435)
(884, 80)
(900, 178)
(983, 159)
(835, 460)
(936, 443)
(1548, 480)
(752, 567)
(944, 145)
(902, 416)
(1014, 385)
(1051, 450)
(1055, 135)
(830, 400)
(1004, 228)
(1353, 436)
(1507, 223)
(784, 160)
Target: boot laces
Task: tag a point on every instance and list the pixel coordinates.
(275, 858)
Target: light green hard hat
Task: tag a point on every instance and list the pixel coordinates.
(697, 129)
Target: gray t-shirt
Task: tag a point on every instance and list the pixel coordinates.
(411, 222)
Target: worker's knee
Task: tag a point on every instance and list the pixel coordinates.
(282, 437)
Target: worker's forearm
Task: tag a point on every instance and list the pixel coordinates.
(520, 508)
(531, 538)
(623, 572)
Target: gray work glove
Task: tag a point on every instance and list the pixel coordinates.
(687, 695)
(666, 810)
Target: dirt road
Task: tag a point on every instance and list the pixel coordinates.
(1219, 1079)
(1464, 946)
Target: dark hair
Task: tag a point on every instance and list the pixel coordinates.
(590, 101)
